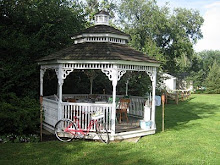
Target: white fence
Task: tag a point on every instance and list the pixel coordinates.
(136, 105)
(83, 112)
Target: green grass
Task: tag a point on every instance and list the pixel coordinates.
(192, 136)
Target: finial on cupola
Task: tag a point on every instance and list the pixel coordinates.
(102, 18)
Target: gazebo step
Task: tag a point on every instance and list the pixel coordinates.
(130, 134)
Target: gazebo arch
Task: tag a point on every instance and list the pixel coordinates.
(100, 47)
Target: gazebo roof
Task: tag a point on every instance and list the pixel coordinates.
(103, 12)
(100, 43)
(99, 51)
(103, 29)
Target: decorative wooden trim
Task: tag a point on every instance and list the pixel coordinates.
(100, 35)
(109, 66)
(50, 64)
(67, 68)
(109, 73)
(66, 72)
(100, 39)
(150, 74)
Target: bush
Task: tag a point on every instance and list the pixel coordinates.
(11, 138)
(18, 115)
(212, 81)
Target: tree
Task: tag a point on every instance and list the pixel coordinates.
(29, 31)
(212, 82)
(208, 57)
(167, 36)
(201, 64)
(139, 20)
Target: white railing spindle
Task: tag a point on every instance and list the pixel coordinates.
(83, 112)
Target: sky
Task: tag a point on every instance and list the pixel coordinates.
(210, 11)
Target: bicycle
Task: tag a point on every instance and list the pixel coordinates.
(66, 130)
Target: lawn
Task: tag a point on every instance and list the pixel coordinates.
(192, 136)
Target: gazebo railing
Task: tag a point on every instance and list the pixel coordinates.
(50, 108)
(83, 112)
(136, 105)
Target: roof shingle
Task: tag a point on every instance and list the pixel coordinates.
(99, 51)
(102, 29)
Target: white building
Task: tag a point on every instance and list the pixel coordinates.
(169, 82)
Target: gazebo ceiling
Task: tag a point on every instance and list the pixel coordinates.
(101, 51)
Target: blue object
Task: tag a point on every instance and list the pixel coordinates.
(145, 124)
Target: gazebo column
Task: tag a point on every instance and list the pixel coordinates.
(153, 98)
(62, 73)
(126, 92)
(114, 74)
(152, 74)
(59, 73)
(42, 71)
(91, 75)
(114, 85)
(60, 99)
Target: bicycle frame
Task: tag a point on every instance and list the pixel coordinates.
(80, 130)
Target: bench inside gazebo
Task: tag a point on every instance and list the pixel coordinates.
(100, 47)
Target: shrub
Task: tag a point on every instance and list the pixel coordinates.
(11, 138)
(212, 82)
(18, 115)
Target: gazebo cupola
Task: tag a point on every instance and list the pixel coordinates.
(102, 18)
(101, 32)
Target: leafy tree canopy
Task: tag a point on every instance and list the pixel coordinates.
(201, 65)
(212, 82)
(30, 30)
(158, 32)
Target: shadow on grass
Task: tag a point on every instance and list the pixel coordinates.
(78, 152)
(114, 154)
(176, 116)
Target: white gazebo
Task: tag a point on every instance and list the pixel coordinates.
(100, 47)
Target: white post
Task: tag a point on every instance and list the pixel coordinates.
(41, 81)
(147, 113)
(91, 85)
(60, 87)
(42, 71)
(114, 75)
(114, 84)
(153, 98)
(126, 93)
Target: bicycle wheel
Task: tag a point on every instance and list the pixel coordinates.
(102, 132)
(60, 132)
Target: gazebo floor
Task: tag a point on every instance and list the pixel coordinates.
(131, 125)
(131, 129)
